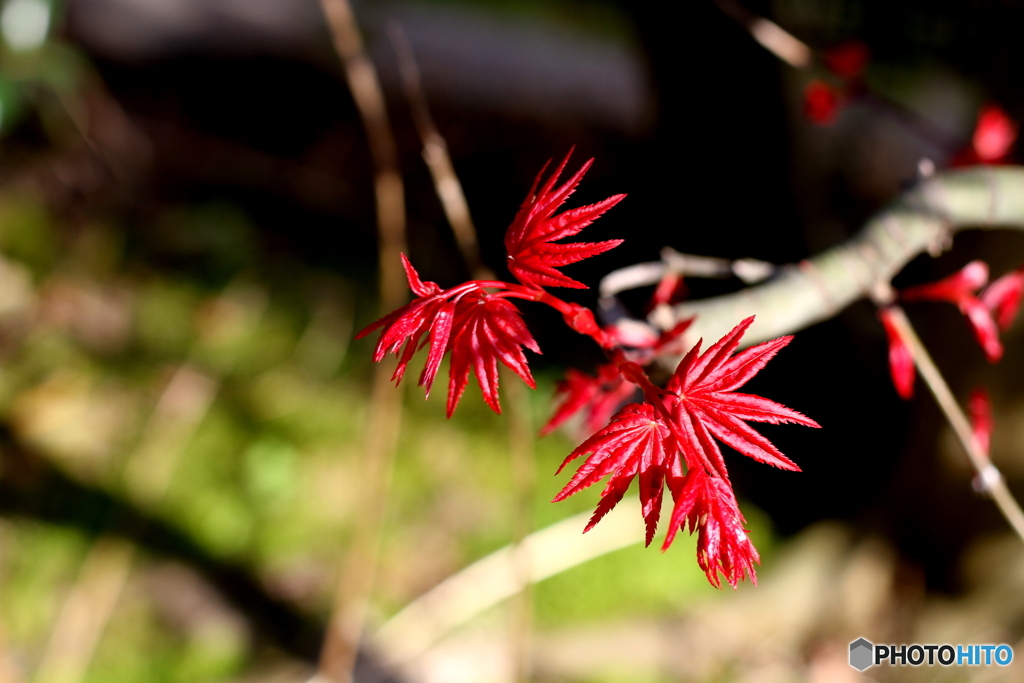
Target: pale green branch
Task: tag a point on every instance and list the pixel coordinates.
(922, 220)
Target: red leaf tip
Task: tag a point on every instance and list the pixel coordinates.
(534, 255)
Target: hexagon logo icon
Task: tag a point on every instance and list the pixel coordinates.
(861, 654)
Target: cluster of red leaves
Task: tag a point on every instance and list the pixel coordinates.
(994, 307)
(670, 439)
(675, 431)
(479, 326)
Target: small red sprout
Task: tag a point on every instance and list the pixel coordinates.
(979, 410)
(1003, 296)
(901, 362)
(960, 288)
(992, 141)
(847, 59)
(821, 103)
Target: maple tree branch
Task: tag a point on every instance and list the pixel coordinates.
(356, 579)
(990, 477)
(921, 220)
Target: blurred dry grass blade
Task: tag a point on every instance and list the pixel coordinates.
(345, 628)
(324, 343)
(182, 406)
(769, 35)
(85, 612)
(148, 472)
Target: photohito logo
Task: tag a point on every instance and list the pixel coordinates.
(863, 653)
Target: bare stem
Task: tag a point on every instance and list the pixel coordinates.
(437, 158)
(993, 481)
(345, 629)
(520, 427)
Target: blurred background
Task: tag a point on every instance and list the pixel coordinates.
(188, 244)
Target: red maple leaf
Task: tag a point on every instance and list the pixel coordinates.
(959, 288)
(533, 258)
(821, 103)
(430, 312)
(992, 141)
(488, 329)
(707, 503)
(478, 328)
(636, 441)
(599, 396)
(678, 426)
(994, 134)
(706, 404)
(847, 59)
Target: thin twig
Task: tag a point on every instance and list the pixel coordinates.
(519, 425)
(437, 158)
(356, 579)
(987, 472)
(388, 187)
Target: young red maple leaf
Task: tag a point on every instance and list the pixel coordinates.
(706, 404)
(671, 289)
(959, 288)
(707, 504)
(488, 329)
(533, 258)
(901, 362)
(478, 328)
(1003, 297)
(847, 59)
(979, 409)
(821, 103)
(636, 441)
(654, 441)
(994, 134)
(431, 311)
(992, 141)
(599, 396)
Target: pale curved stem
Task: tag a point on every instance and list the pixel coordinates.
(499, 576)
